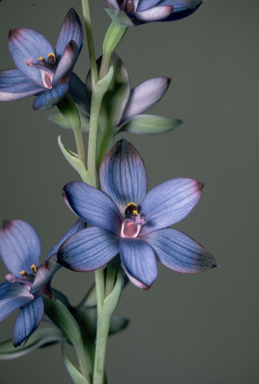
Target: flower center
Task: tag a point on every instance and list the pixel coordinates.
(133, 222)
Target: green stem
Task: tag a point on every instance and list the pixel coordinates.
(99, 283)
(79, 144)
(104, 318)
(112, 38)
(90, 42)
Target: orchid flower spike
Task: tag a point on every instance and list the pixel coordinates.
(135, 12)
(126, 219)
(20, 250)
(41, 70)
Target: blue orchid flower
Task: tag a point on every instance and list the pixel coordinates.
(135, 12)
(20, 250)
(41, 70)
(126, 219)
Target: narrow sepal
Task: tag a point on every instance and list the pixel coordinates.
(51, 97)
(144, 96)
(20, 246)
(169, 203)
(28, 320)
(179, 252)
(72, 29)
(93, 206)
(88, 250)
(123, 175)
(150, 125)
(139, 262)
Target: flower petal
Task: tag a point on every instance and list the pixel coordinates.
(11, 290)
(150, 125)
(51, 97)
(79, 224)
(123, 175)
(72, 29)
(139, 262)
(66, 63)
(8, 306)
(20, 246)
(179, 252)
(50, 266)
(89, 249)
(93, 206)
(77, 90)
(28, 320)
(146, 4)
(181, 8)
(169, 203)
(154, 14)
(26, 44)
(144, 96)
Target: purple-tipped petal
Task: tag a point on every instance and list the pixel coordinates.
(123, 175)
(28, 320)
(51, 97)
(169, 203)
(72, 29)
(26, 45)
(66, 62)
(77, 90)
(139, 262)
(19, 246)
(154, 14)
(144, 96)
(93, 206)
(88, 250)
(179, 252)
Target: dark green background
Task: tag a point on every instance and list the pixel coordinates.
(196, 329)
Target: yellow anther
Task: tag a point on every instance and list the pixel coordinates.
(135, 212)
(33, 269)
(51, 58)
(23, 273)
(41, 58)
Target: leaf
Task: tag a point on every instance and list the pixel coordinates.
(74, 161)
(62, 317)
(59, 119)
(69, 110)
(39, 338)
(150, 125)
(73, 370)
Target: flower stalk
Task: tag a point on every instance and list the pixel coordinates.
(90, 42)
